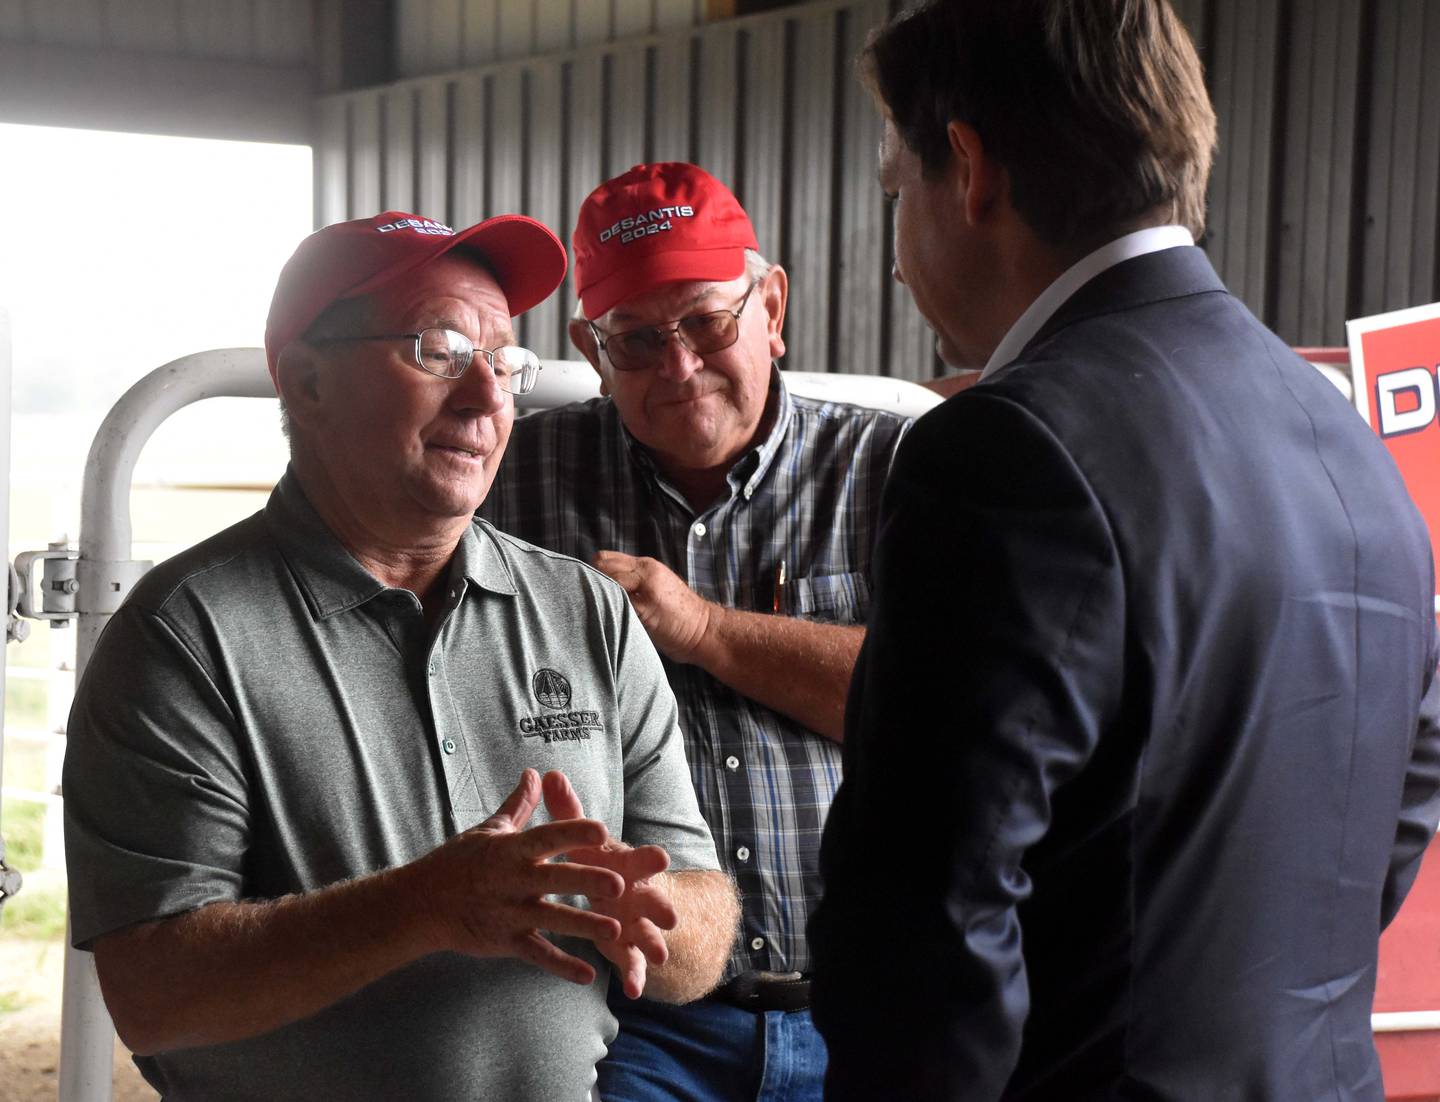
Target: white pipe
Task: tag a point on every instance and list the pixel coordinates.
(87, 1035)
(5, 425)
(561, 382)
(875, 391)
(105, 499)
(565, 381)
(1405, 1021)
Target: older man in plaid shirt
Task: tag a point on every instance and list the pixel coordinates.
(740, 518)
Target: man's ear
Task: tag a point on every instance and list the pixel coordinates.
(979, 179)
(775, 293)
(583, 338)
(297, 377)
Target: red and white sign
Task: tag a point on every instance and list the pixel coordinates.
(1394, 360)
(1393, 366)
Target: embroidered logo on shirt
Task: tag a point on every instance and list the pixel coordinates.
(552, 690)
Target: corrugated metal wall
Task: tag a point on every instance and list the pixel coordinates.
(767, 103)
(1325, 201)
(239, 30)
(436, 36)
(213, 68)
(1324, 204)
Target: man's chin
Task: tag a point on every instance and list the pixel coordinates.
(951, 356)
(453, 499)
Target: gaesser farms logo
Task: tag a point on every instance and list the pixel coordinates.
(645, 223)
(419, 225)
(552, 690)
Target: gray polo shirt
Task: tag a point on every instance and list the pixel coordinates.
(264, 717)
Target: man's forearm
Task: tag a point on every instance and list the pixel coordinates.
(232, 970)
(699, 945)
(236, 969)
(799, 668)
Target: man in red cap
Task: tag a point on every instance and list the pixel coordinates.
(739, 518)
(299, 851)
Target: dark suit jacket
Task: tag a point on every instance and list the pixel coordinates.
(1141, 751)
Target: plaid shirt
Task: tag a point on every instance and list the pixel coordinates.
(575, 481)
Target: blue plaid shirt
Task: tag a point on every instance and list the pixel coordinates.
(574, 480)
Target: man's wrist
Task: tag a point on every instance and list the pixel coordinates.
(708, 648)
(402, 893)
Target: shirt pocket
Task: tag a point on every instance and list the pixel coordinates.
(834, 598)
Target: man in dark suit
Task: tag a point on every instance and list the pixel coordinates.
(1142, 744)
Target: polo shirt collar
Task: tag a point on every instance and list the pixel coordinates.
(480, 559)
(333, 581)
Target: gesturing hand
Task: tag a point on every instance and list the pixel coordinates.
(642, 911)
(484, 890)
(674, 614)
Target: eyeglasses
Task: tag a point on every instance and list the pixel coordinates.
(446, 353)
(702, 334)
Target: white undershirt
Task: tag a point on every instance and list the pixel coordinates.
(1150, 240)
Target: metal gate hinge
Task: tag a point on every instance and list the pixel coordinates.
(69, 585)
(53, 596)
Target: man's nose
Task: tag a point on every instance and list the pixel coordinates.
(479, 389)
(895, 272)
(677, 361)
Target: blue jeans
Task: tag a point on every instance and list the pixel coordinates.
(710, 1052)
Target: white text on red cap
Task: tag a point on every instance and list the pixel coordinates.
(645, 223)
(419, 225)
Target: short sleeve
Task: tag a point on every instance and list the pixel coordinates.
(660, 805)
(156, 814)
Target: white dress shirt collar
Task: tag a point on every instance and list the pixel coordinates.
(1029, 323)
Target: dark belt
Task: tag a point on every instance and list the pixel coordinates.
(760, 991)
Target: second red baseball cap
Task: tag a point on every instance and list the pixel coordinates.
(655, 224)
(349, 259)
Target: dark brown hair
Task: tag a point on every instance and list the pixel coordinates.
(1097, 109)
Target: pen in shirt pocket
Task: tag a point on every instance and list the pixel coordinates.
(779, 595)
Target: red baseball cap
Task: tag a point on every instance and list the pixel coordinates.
(349, 259)
(657, 224)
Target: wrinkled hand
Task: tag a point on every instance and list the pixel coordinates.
(484, 890)
(676, 617)
(643, 910)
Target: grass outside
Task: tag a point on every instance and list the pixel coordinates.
(25, 701)
(38, 911)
